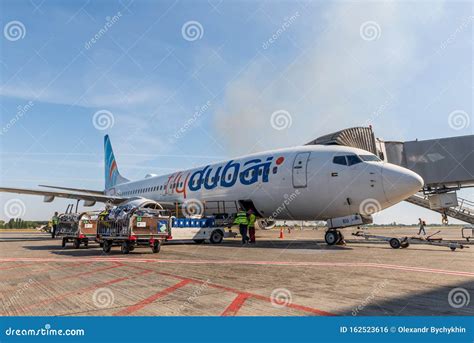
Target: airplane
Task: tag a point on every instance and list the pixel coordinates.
(342, 185)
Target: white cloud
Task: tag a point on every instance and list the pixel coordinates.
(337, 83)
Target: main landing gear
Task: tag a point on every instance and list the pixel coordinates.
(333, 237)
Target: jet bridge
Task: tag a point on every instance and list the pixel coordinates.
(445, 164)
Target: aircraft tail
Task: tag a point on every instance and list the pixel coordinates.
(112, 175)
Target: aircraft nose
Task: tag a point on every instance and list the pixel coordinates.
(399, 183)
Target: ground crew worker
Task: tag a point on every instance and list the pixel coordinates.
(54, 222)
(444, 218)
(242, 221)
(251, 218)
(422, 224)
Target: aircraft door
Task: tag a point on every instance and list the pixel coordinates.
(300, 166)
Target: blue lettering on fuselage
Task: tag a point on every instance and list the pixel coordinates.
(227, 175)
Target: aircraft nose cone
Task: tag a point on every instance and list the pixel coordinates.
(400, 183)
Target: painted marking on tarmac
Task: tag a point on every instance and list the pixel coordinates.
(141, 304)
(246, 262)
(73, 293)
(236, 305)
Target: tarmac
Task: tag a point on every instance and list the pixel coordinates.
(298, 275)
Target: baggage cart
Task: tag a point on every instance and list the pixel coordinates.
(78, 228)
(130, 228)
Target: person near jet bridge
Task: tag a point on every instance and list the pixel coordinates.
(242, 221)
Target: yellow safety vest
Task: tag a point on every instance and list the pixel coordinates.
(241, 218)
(252, 219)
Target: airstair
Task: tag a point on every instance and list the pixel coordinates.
(464, 211)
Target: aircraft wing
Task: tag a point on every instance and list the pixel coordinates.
(50, 195)
(82, 190)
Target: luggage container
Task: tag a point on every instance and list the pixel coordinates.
(130, 227)
(78, 228)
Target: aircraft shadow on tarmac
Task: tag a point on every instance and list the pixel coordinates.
(434, 302)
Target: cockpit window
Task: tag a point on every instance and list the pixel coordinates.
(353, 159)
(370, 158)
(340, 160)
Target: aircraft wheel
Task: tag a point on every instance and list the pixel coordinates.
(395, 243)
(332, 237)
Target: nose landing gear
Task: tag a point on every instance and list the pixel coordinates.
(333, 237)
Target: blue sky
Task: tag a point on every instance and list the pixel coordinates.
(401, 66)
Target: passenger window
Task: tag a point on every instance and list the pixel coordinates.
(353, 159)
(275, 169)
(340, 160)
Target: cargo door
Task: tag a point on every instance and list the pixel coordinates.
(300, 166)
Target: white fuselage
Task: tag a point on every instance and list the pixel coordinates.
(302, 183)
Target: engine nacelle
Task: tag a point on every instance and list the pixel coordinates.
(89, 203)
(48, 198)
(265, 224)
(142, 202)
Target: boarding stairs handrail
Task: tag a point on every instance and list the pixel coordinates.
(464, 211)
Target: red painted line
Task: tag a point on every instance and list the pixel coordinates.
(296, 306)
(30, 272)
(253, 295)
(236, 305)
(17, 266)
(133, 308)
(76, 291)
(91, 272)
(247, 262)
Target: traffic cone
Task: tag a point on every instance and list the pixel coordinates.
(281, 233)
